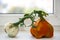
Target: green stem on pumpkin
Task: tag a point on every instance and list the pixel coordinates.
(32, 17)
(40, 14)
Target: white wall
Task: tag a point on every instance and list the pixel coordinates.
(57, 8)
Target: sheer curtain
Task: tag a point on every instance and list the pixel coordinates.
(46, 5)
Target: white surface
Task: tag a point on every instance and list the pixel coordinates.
(25, 35)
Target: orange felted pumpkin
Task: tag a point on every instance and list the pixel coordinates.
(41, 27)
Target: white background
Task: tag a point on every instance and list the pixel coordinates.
(46, 5)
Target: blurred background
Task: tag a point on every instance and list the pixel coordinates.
(11, 10)
(7, 6)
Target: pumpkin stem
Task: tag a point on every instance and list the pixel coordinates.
(32, 17)
(40, 14)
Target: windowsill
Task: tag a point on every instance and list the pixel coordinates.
(19, 14)
(26, 35)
